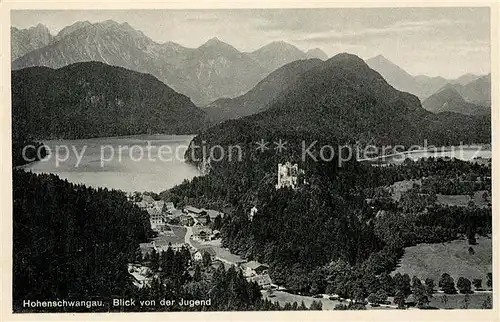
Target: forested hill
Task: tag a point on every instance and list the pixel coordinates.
(93, 99)
(345, 99)
(70, 241)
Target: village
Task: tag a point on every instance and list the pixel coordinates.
(194, 229)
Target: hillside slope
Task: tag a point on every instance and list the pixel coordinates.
(259, 97)
(95, 100)
(449, 100)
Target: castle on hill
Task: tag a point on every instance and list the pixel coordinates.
(288, 175)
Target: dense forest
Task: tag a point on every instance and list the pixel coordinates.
(71, 241)
(24, 152)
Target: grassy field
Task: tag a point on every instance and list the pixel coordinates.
(457, 301)
(453, 200)
(432, 260)
(453, 301)
(462, 200)
(284, 297)
(402, 186)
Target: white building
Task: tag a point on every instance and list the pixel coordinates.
(264, 281)
(253, 211)
(198, 256)
(253, 268)
(158, 221)
(288, 175)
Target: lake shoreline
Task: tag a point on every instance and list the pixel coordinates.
(102, 163)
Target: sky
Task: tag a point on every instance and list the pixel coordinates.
(446, 42)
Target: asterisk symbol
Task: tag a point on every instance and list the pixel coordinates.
(280, 146)
(262, 145)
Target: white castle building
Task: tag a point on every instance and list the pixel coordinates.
(253, 211)
(288, 175)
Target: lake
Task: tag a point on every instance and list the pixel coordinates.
(133, 163)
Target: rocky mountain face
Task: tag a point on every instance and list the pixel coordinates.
(108, 42)
(26, 40)
(93, 99)
(216, 69)
(211, 71)
(69, 29)
(280, 53)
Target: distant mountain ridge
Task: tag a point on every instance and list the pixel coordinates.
(477, 91)
(92, 99)
(211, 71)
(421, 85)
(449, 100)
(258, 98)
(316, 53)
(279, 53)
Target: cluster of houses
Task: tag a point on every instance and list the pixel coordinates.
(204, 233)
(162, 213)
(157, 210)
(201, 217)
(253, 271)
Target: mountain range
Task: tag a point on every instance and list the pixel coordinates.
(93, 99)
(420, 85)
(477, 91)
(27, 40)
(473, 98)
(343, 100)
(469, 94)
(209, 72)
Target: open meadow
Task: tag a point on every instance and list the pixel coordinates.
(432, 260)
